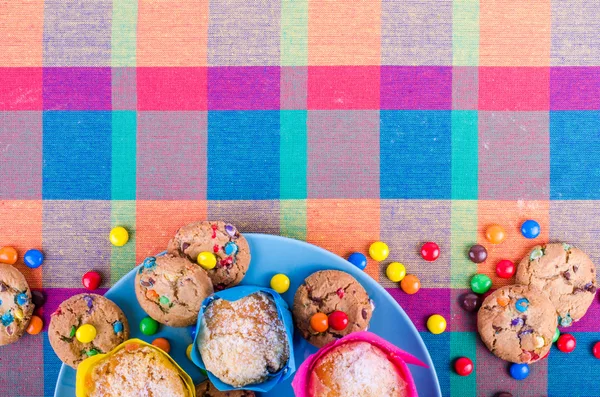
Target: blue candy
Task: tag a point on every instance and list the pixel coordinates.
(118, 327)
(33, 258)
(521, 305)
(530, 229)
(22, 299)
(149, 262)
(7, 319)
(230, 248)
(519, 371)
(359, 260)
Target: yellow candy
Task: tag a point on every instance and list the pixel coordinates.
(395, 271)
(280, 283)
(119, 236)
(207, 260)
(539, 342)
(436, 324)
(188, 352)
(19, 314)
(86, 333)
(379, 251)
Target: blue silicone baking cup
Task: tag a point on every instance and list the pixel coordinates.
(233, 294)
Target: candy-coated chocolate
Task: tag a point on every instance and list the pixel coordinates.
(38, 298)
(470, 302)
(280, 283)
(118, 236)
(230, 248)
(395, 271)
(35, 325)
(91, 352)
(8, 255)
(379, 251)
(188, 351)
(163, 344)
(33, 258)
(530, 229)
(495, 234)
(164, 300)
(556, 335)
(7, 318)
(463, 366)
(477, 253)
(566, 343)
(410, 284)
(18, 314)
(22, 299)
(86, 333)
(436, 324)
(522, 305)
(430, 251)
(338, 320)
(207, 260)
(505, 269)
(596, 350)
(358, 259)
(480, 283)
(503, 301)
(91, 280)
(117, 327)
(519, 371)
(148, 326)
(319, 322)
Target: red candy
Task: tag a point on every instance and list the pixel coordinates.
(566, 343)
(214, 231)
(91, 280)
(338, 320)
(505, 269)
(340, 293)
(596, 350)
(463, 366)
(216, 248)
(430, 251)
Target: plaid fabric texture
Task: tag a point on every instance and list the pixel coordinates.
(335, 122)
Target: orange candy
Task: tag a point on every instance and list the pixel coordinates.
(319, 322)
(151, 294)
(503, 301)
(163, 344)
(35, 325)
(495, 234)
(8, 255)
(410, 284)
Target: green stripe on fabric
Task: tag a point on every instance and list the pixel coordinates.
(123, 155)
(294, 32)
(464, 154)
(462, 344)
(293, 157)
(124, 29)
(465, 33)
(463, 235)
(293, 218)
(122, 259)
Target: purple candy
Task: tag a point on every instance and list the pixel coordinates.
(230, 229)
(516, 321)
(527, 331)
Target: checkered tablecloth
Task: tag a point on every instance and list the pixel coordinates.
(335, 122)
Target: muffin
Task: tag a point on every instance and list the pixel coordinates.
(16, 307)
(356, 369)
(224, 241)
(325, 292)
(171, 289)
(207, 389)
(105, 316)
(136, 371)
(243, 342)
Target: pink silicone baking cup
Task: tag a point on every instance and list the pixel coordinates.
(397, 356)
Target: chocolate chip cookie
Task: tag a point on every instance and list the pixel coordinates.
(103, 314)
(16, 307)
(207, 389)
(327, 291)
(517, 323)
(171, 289)
(224, 241)
(565, 274)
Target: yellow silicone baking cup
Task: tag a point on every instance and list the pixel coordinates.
(85, 368)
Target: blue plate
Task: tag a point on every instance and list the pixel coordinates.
(297, 259)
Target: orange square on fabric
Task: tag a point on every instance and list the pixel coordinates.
(344, 32)
(21, 228)
(514, 33)
(344, 227)
(21, 32)
(510, 215)
(157, 222)
(172, 33)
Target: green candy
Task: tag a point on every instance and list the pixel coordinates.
(480, 283)
(148, 326)
(91, 352)
(73, 330)
(536, 254)
(164, 300)
(556, 335)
